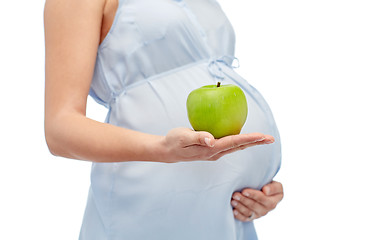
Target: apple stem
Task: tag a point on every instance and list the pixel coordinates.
(218, 84)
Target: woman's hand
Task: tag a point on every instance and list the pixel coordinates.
(251, 204)
(184, 144)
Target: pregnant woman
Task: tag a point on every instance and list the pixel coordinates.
(153, 178)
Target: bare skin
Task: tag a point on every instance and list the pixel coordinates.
(109, 13)
(73, 31)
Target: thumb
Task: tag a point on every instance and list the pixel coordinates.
(202, 138)
(273, 188)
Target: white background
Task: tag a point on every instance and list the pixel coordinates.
(315, 62)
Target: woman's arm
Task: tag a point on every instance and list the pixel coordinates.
(72, 36)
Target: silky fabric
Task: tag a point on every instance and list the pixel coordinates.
(155, 54)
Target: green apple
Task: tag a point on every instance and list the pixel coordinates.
(219, 110)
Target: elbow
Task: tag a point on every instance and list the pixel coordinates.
(51, 148)
(50, 142)
(60, 138)
(55, 138)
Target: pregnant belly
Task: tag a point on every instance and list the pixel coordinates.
(158, 104)
(199, 192)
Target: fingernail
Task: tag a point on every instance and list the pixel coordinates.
(246, 194)
(208, 142)
(236, 197)
(267, 190)
(236, 212)
(234, 203)
(270, 141)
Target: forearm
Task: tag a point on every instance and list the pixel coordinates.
(78, 137)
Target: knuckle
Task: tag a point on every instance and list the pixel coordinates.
(181, 141)
(260, 197)
(252, 205)
(199, 138)
(233, 142)
(243, 198)
(271, 204)
(244, 211)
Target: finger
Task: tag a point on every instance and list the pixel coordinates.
(218, 155)
(251, 206)
(240, 216)
(273, 188)
(199, 138)
(204, 153)
(269, 202)
(233, 141)
(241, 208)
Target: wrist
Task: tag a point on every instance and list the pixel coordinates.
(160, 150)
